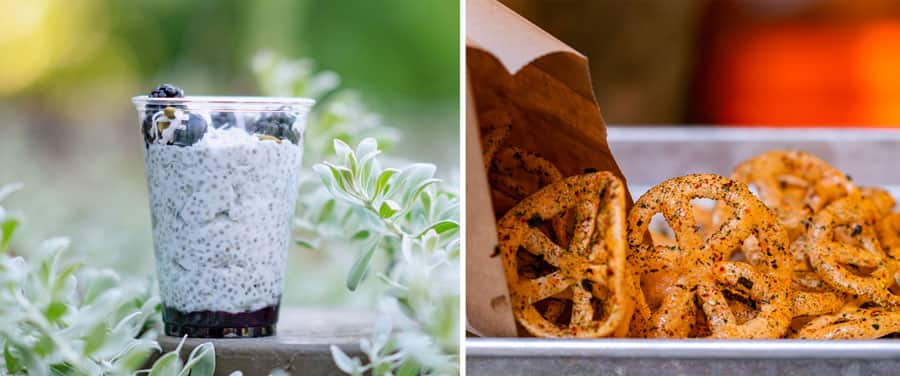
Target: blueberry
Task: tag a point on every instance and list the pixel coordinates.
(196, 128)
(266, 127)
(167, 91)
(162, 91)
(280, 125)
(145, 127)
(292, 135)
(224, 120)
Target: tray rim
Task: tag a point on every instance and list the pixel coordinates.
(669, 133)
(683, 348)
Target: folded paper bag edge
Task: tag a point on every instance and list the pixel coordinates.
(516, 42)
(484, 316)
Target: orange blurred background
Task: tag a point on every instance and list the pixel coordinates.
(739, 62)
(833, 63)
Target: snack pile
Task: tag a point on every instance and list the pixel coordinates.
(791, 248)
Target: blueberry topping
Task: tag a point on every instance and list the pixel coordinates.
(162, 91)
(279, 125)
(167, 91)
(146, 124)
(224, 120)
(193, 132)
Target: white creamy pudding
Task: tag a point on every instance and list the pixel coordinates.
(222, 211)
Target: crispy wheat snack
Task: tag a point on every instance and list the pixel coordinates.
(590, 272)
(800, 252)
(494, 126)
(846, 253)
(515, 174)
(704, 277)
(880, 198)
(793, 183)
(808, 281)
(729, 271)
(706, 225)
(889, 234)
(816, 303)
(852, 323)
(518, 173)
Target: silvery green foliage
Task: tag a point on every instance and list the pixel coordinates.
(291, 78)
(339, 113)
(200, 362)
(396, 204)
(59, 317)
(400, 212)
(344, 116)
(8, 221)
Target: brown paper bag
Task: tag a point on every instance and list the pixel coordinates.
(545, 87)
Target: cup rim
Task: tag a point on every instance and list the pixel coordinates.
(230, 103)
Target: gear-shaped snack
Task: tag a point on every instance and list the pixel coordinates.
(706, 224)
(846, 254)
(704, 278)
(852, 323)
(494, 126)
(816, 303)
(516, 174)
(880, 198)
(889, 234)
(590, 268)
(794, 184)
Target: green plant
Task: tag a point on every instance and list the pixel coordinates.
(400, 213)
(59, 317)
(339, 114)
(403, 224)
(200, 362)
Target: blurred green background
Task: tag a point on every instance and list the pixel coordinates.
(68, 130)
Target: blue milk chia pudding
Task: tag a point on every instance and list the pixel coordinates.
(223, 188)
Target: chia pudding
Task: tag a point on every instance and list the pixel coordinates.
(222, 183)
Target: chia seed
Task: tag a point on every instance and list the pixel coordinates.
(208, 242)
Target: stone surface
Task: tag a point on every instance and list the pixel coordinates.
(301, 346)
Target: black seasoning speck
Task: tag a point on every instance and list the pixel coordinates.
(535, 220)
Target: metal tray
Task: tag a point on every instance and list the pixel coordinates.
(649, 155)
(527, 356)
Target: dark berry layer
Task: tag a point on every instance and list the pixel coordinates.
(279, 125)
(217, 324)
(224, 120)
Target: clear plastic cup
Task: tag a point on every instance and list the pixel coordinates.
(222, 175)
